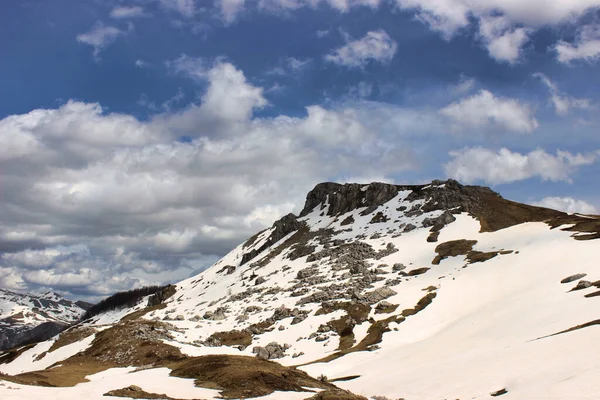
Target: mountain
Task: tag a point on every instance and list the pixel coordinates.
(420, 292)
(31, 318)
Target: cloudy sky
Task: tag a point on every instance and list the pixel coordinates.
(140, 140)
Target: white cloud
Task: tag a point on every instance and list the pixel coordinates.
(186, 8)
(503, 41)
(376, 46)
(567, 204)
(231, 8)
(283, 6)
(504, 24)
(464, 85)
(562, 103)
(79, 182)
(321, 33)
(484, 110)
(585, 47)
(141, 63)
(504, 166)
(193, 67)
(123, 12)
(100, 37)
(290, 65)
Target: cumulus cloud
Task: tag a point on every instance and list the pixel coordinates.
(95, 202)
(503, 41)
(503, 166)
(567, 204)
(124, 12)
(484, 110)
(375, 46)
(562, 103)
(586, 46)
(504, 25)
(100, 37)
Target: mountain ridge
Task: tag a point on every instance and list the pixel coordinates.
(366, 281)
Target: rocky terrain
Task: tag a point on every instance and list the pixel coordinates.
(30, 318)
(374, 291)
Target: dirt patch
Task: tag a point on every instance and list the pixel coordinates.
(421, 305)
(480, 256)
(336, 394)
(588, 227)
(453, 248)
(575, 328)
(594, 294)
(417, 271)
(70, 336)
(499, 392)
(242, 377)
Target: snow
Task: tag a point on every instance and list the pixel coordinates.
(479, 334)
(27, 361)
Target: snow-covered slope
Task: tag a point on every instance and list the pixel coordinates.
(47, 313)
(437, 291)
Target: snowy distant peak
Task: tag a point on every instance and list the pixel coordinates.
(45, 307)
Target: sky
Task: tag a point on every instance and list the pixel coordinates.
(141, 140)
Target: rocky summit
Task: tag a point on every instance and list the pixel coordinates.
(379, 291)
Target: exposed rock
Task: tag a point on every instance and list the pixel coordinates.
(398, 267)
(271, 351)
(259, 280)
(582, 285)
(409, 227)
(348, 197)
(378, 295)
(439, 222)
(572, 278)
(347, 221)
(379, 218)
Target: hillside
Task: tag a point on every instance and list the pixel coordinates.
(438, 291)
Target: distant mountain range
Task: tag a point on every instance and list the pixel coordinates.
(28, 318)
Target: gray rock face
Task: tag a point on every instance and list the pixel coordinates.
(582, 285)
(378, 294)
(348, 197)
(283, 227)
(439, 222)
(572, 278)
(398, 267)
(271, 351)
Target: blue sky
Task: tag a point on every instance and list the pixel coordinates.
(142, 139)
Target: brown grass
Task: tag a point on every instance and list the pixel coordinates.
(233, 338)
(453, 248)
(480, 256)
(135, 392)
(12, 354)
(242, 377)
(70, 336)
(421, 305)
